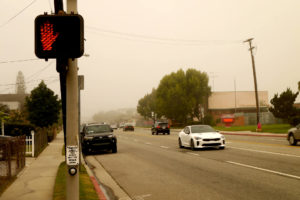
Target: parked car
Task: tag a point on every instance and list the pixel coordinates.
(160, 127)
(128, 127)
(95, 137)
(200, 136)
(293, 135)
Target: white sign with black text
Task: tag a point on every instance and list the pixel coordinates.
(72, 155)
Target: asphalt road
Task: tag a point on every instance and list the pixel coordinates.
(152, 167)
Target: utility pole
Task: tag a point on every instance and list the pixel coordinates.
(255, 81)
(72, 118)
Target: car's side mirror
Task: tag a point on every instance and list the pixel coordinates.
(111, 130)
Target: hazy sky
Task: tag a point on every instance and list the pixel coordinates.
(132, 44)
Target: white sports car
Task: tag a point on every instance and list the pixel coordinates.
(200, 136)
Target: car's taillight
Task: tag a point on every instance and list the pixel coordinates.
(158, 127)
(168, 125)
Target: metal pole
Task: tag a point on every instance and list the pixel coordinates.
(255, 81)
(72, 115)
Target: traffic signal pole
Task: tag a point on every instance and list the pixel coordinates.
(72, 187)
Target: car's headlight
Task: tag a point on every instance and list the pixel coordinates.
(110, 136)
(198, 138)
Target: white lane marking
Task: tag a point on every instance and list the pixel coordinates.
(269, 152)
(266, 170)
(277, 140)
(148, 143)
(194, 154)
(164, 147)
(135, 140)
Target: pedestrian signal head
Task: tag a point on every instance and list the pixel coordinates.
(59, 36)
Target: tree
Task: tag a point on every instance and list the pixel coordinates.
(283, 106)
(43, 106)
(198, 91)
(20, 84)
(180, 95)
(146, 105)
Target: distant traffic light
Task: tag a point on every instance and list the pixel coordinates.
(59, 36)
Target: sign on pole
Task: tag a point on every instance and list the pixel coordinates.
(72, 155)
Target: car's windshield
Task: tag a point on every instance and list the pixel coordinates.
(98, 129)
(201, 129)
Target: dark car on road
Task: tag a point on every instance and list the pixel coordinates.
(128, 127)
(96, 137)
(160, 127)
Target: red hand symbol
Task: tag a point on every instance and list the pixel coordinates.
(47, 37)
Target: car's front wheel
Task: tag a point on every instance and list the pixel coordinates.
(114, 149)
(180, 143)
(292, 140)
(192, 145)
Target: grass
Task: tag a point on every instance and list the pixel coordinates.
(269, 128)
(86, 191)
(63, 152)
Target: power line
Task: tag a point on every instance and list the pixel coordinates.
(13, 61)
(162, 39)
(10, 19)
(40, 71)
(48, 81)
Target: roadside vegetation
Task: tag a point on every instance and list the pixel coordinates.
(268, 128)
(87, 190)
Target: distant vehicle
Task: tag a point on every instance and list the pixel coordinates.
(114, 126)
(200, 136)
(95, 137)
(293, 135)
(160, 127)
(128, 127)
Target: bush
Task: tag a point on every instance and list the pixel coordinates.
(208, 119)
(16, 129)
(295, 120)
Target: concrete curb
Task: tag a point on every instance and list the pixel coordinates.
(255, 134)
(100, 193)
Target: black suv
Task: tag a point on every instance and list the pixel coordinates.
(160, 127)
(95, 137)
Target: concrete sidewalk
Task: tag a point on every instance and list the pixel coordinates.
(36, 181)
